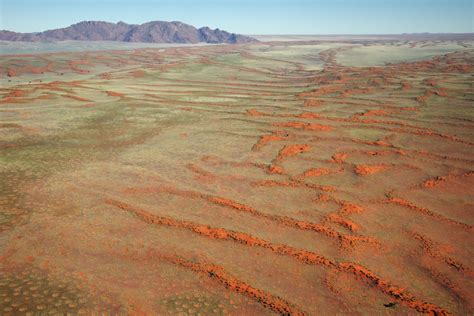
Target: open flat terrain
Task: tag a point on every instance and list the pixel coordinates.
(298, 177)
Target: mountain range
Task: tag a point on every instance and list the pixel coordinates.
(150, 32)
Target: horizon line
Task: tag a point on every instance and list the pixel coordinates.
(249, 34)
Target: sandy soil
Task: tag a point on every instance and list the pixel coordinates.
(238, 180)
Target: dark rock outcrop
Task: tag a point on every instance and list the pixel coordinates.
(151, 32)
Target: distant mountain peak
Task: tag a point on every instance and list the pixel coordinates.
(149, 32)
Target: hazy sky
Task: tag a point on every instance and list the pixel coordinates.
(251, 16)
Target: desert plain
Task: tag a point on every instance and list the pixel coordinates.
(293, 177)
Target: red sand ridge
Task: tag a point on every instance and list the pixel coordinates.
(364, 170)
(305, 126)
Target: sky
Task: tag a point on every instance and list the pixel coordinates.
(251, 16)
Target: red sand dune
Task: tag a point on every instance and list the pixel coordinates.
(343, 190)
(364, 170)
